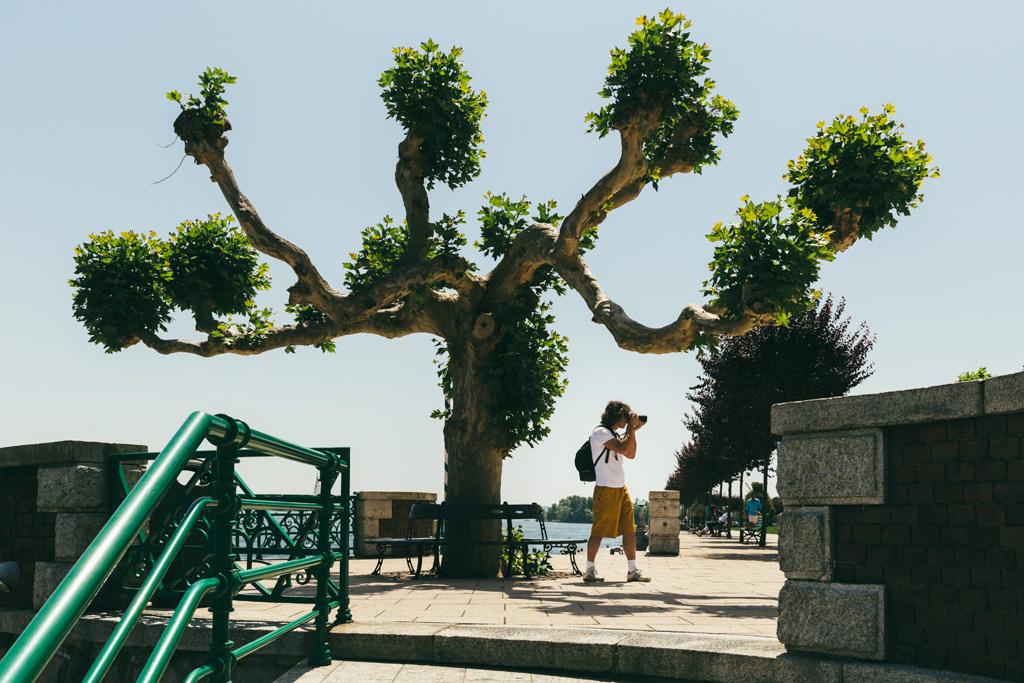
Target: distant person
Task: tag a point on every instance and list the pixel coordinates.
(715, 524)
(753, 509)
(613, 508)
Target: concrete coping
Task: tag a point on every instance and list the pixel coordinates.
(993, 396)
(395, 495)
(64, 453)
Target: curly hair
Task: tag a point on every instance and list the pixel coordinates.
(613, 412)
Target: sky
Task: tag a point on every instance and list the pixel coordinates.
(85, 133)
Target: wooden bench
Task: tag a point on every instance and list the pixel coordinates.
(752, 530)
(444, 512)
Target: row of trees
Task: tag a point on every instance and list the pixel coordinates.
(578, 509)
(502, 362)
(816, 355)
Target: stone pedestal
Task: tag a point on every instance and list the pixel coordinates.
(385, 514)
(664, 524)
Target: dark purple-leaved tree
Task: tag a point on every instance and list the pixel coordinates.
(816, 356)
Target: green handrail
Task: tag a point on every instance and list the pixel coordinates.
(33, 650)
(168, 642)
(131, 615)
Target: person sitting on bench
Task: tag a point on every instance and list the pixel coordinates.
(715, 524)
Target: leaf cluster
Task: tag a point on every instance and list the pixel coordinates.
(127, 284)
(816, 356)
(525, 372)
(384, 246)
(210, 103)
(429, 93)
(662, 72)
(862, 165)
(767, 261)
(538, 562)
(970, 376)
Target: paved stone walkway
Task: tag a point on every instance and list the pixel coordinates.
(714, 586)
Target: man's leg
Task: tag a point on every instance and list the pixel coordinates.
(593, 545)
(629, 545)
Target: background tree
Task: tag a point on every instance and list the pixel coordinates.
(816, 356)
(500, 359)
(576, 509)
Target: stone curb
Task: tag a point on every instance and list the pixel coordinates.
(669, 656)
(993, 396)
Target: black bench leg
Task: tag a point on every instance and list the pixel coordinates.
(381, 549)
(572, 560)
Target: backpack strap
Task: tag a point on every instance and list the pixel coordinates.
(606, 453)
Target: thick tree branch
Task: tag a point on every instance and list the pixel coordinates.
(631, 335)
(398, 321)
(208, 150)
(409, 174)
(845, 228)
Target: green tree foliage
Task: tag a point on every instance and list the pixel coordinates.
(663, 71)
(128, 284)
(428, 93)
(861, 165)
(576, 509)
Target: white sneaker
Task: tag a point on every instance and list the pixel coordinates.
(592, 576)
(637, 575)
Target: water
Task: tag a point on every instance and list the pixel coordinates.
(563, 530)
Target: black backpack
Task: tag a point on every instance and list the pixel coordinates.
(586, 464)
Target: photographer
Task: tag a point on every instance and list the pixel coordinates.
(613, 507)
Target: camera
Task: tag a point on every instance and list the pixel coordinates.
(642, 418)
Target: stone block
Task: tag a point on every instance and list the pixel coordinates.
(664, 526)
(74, 531)
(398, 642)
(833, 468)
(912, 406)
(1004, 394)
(418, 496)
(375, 509)
(583, 650)
(64, 452)
(663, 495)
(653, 656)
(72, 488)
(664, 508)
(806, 543)
(847, 620)
(48, 576)
(663, 545)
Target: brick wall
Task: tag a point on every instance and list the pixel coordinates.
(26, 535)
(948, 545)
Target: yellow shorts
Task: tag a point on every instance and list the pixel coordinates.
(613, 512)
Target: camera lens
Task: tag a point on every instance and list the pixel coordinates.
(643, 418)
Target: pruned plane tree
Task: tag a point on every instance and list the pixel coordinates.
(501, 363)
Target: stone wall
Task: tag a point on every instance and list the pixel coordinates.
(53, 501)
(26, 535)
(903, 535)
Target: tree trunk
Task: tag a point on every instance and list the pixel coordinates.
(473, 440)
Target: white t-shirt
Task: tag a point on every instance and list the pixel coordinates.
(608, 473)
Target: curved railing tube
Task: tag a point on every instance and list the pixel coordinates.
(33, 650)
(131, 615)
(30, 654)
(168, 642)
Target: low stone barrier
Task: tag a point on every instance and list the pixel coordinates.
(664, 526)
(902, 538)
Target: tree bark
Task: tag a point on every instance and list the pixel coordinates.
(474, 440)
(764, 505)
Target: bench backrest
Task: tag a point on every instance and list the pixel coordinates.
(503, 511)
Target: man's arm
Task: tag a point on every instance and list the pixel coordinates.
(626, 444)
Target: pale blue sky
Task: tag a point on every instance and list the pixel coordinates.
(84, 118)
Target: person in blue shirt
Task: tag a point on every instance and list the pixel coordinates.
(753, 509)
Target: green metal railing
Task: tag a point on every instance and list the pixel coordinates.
(223, 579)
